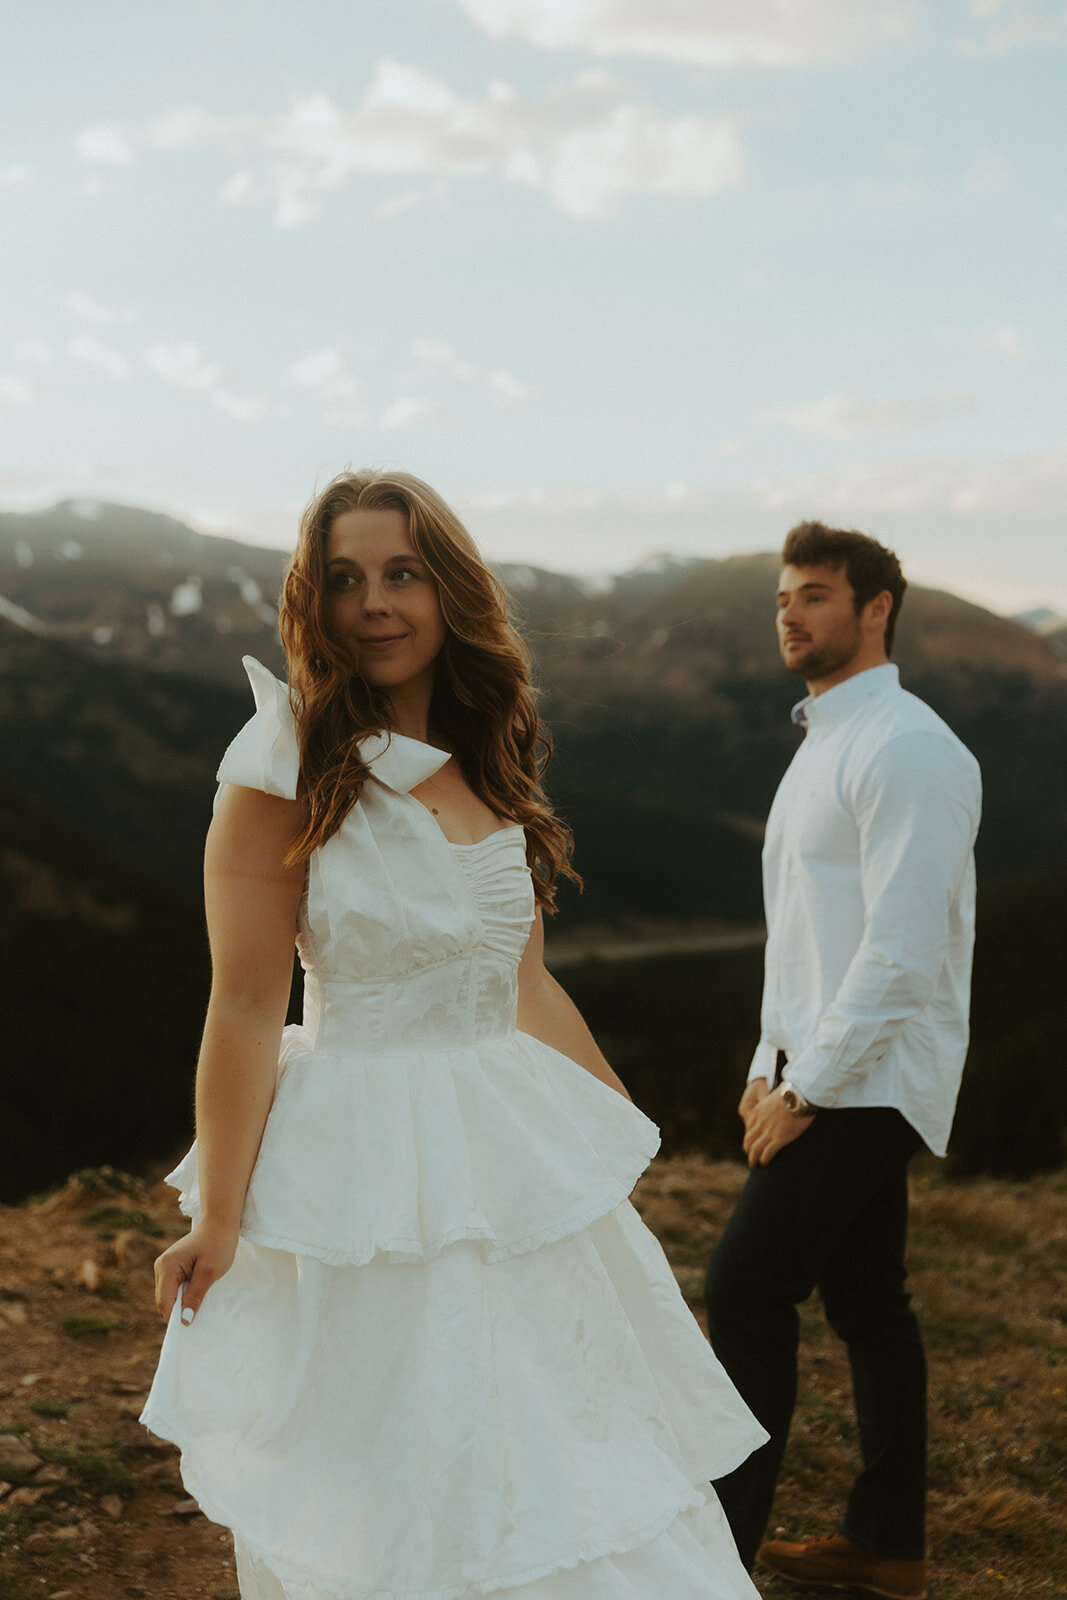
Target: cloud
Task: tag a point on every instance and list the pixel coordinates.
(632, 149)
(581, 144)
(895, 192)
(325, 373)
(990, 174)
(435, 353)
(440, 358)
(508, 387)
(242, 408)
(183, 365)
(104, 147)
(35, 351)
(1032, 486)
(15, 175)
(410, 412)
(15, 391)
(1002, 25)
(89, 349)
(89, 310)
(706, 33)
(953, 521)
(1008, 340)
(845, 416)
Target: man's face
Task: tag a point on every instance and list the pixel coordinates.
(819, 633)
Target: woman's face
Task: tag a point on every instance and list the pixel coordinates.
(383, 600)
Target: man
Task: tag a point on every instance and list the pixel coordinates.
(869, 890)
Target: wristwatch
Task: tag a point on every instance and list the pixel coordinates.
(794, 1101)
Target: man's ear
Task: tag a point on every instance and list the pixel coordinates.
(876, 612)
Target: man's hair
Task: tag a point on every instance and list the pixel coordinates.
(869, 566)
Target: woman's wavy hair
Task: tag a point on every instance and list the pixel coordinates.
(482, 706)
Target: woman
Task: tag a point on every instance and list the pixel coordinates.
(419, 1343)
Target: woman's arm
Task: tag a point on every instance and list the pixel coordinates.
(251, 899)
(548, 1013)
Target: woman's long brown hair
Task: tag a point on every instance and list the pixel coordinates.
(482, 706)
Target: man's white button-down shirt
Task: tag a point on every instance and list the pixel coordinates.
(868, 881)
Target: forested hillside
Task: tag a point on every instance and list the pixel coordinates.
(120, 685)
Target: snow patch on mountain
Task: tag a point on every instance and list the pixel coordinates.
(21, 618)
(188, 597)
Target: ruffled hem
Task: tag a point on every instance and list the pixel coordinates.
(409, 1252)
(505, 1143)
(693, 1558)
(340, 1588)
(450, 1426)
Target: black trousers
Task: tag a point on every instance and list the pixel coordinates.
(829, 1212)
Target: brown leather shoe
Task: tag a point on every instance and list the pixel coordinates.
(836, 1563)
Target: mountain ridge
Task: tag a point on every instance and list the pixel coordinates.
(143, 585)
(669, 709)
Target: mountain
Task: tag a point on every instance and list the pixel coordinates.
(123, 751)
(1049, 625)
(105, 972)
(663, 688)
(670, 713)
(137, 586)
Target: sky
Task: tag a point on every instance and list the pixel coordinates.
(617, 277)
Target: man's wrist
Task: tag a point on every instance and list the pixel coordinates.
(794, 1101)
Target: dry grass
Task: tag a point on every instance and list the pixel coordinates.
(989, 1279)
(989, 1265)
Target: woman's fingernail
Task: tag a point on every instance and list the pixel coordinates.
(187, 1315)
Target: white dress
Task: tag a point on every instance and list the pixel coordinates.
(449, 1359)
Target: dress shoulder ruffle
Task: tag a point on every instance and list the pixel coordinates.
(265, 754)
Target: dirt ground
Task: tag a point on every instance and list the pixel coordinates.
(93, 1507)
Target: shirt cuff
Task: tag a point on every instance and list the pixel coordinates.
(764, 1063)
(804, 1074)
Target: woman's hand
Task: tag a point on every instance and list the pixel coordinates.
(200, 1259)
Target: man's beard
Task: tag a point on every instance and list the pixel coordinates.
(822, 661)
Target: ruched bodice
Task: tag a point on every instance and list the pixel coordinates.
(448, 1361)
(457, 1000)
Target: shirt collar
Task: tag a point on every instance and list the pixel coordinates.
(399, 762)
(838, 704)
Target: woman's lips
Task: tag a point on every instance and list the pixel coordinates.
(383, 643)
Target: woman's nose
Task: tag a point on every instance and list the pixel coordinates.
(375, 599)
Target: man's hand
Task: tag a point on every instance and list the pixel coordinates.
(769, 1126)
(756, 1090)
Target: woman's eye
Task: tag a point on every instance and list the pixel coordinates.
(340, 580)
(404, 574)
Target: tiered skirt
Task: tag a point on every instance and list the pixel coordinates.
(488, 1386)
